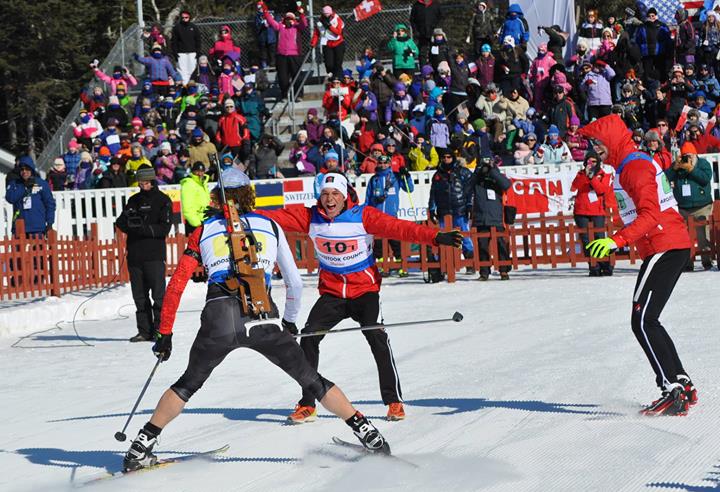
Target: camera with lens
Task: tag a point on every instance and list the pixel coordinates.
(134, 218)
(685, 159)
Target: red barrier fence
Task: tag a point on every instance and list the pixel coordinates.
(36, 265)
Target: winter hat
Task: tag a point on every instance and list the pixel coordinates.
(574, 120)
(438, 32)
(112, 122)
(377, 146)
(553, 130)
(198, 166)
(509, 41)
(290, 15)
(104, 152)
(530, 135)
(233, 177)
(399, 86)
(197, 133)
(302, 133)
(72, 144)
(485, 48)
(426, 70)
(312, 112)
(114, 100)
(478, 124)
(149, 133)
(530, 112)
(688, 148)
(653, 136)
(607, 30)
(59, 164)
(136, 122)
(145, 173)
(166, 146)
(327, 10)
(156, 47)
(203, 59)
(583, 45)
(638, 132)
(444, 67)
(627, 88)
(331, 155)
(677, 68)
(429, 85)
(229, 103)
(389, 141)
(652, 10)
(335, 181)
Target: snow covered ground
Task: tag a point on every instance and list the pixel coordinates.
(537, 389)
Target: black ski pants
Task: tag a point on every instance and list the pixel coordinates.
(394, 247)
(333, 58)
(327, 312)
(484, 249)
(598, 221)
(147, 278)
(657, 278)
(287, 67)
(222, 330)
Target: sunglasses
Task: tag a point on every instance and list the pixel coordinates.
(447, 157)
(662, 124)
(532, 139)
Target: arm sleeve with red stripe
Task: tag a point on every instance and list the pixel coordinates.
(179, 280)
(290, 219)
(381, 224)
(638, 180)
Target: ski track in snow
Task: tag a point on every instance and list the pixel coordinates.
(537, 389)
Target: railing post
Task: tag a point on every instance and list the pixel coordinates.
(54, 249)
(448, 254)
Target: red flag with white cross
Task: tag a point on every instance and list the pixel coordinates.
(367, 9)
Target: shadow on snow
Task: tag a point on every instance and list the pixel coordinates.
(714, 478)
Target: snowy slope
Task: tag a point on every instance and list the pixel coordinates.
(538, 389)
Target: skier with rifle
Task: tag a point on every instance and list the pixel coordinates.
(239, 249)
(343, 233)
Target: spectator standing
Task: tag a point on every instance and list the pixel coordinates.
(540, 75)
(422, 156)
(596, 84)
(120, 75)
(160, 70)
(485, 66)
(590, 31)
(225, 47)
(137, 159)
(655, 147)
(115, 176)
(557, 41)
(512, 66)
(288, 46)
(72, 159)
(57, 175)
(146, 221)
(31, 198)
(577, 144)
(263, 163)
(450, 195)
(685, 38)
(691, 177)
(594, 190)
(404, 50)
(653, 38)
(515, 26)
(329, 34)
(194, 197)
(425, 16)
(554, 150)
(266, 38)
(186, 45)
(487, 186)
(561, 110)
(483, 26)
(233, 132)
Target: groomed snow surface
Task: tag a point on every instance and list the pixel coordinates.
(537, 389)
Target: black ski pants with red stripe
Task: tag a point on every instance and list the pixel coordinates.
(657, 278)
(327, 312)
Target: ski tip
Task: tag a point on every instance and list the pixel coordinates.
(457, 316)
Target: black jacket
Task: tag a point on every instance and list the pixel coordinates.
(112, 180)
(185, 38)
(146, 221)
(424, 18)
(487, 189)
(449, 191)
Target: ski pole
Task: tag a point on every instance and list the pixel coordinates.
(120, 436)
(457, 317)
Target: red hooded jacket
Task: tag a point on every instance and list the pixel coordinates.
(593, 195)
(653, 230)
(377, 223)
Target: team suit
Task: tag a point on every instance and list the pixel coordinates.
(349, 281)
(652, 222)
(222, 322)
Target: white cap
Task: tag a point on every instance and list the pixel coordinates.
(335, 181)
(234, 178)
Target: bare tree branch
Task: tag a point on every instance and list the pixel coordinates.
(172, 16)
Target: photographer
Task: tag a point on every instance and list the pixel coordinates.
(146, 221)
(594, 188)
(486, 186)
(691, 177)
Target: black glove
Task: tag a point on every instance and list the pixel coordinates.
(432, 215)
(325, 21)
(404, 173)
(163, 346)
(289, 326)
(30, 182)
(452, 238)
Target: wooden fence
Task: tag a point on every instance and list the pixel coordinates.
(35, 265)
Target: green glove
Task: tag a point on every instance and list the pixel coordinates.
(600, 248)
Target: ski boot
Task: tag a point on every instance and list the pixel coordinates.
(690, 391)
(140, 453)
(402, 273)
(672, 402)
(368, 435)
(395, 412)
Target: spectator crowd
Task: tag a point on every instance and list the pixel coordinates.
(462, 106)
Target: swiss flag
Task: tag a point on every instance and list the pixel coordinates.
(367, 9)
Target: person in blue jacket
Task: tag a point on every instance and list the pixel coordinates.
(31, 198)
(515, 25)
(383, 193)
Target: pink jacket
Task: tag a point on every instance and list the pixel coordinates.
(288, 39)
(224, 46)
(578, 153)
(127, 79)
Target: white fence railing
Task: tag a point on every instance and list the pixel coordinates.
(77, 210)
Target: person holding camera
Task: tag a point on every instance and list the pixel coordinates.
(594, 190)
(486, 187)
(146, 221)
(329, 34)
(691, 177)
(404, 51)
(383, 193)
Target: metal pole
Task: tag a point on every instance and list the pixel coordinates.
(141, 21)
(312, 30)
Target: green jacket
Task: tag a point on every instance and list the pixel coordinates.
(402, 58)
(194, 198)
(692, 190)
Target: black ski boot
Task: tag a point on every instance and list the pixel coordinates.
(690, 391)
(140, 453)
(671, 402)
(368, 435)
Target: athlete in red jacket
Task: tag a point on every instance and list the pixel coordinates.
(652, 222)
(343, 233)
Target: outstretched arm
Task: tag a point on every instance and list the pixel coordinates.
(189, 261)
(293, 220)
(381, 224)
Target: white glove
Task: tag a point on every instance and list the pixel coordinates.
(300, 166)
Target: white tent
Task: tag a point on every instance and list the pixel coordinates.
(548, 13)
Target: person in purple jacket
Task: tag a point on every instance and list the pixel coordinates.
(596, 84)
(288, 45)
(159, 69)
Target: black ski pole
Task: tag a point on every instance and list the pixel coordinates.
(120, 436)
(457, 317)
